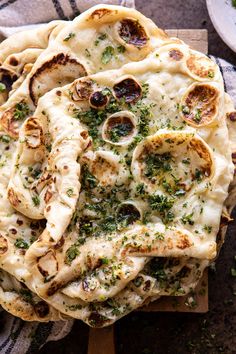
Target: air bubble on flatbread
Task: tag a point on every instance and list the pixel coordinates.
(83, 88)
(172, 162)
(104, 165)
(201, 67)
(127, 89)
(200, 104)
(120, 128)
(57, 71)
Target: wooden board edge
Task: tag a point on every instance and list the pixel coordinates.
(101, 340)
(196, 39)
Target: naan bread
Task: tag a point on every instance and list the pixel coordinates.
(104, 37)
(130, 167)
(9, 53)
(18, 54)
(17, 299)
(16, 234)
(154, 161)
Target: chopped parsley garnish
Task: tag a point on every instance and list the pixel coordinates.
(198, 175)
(104, 260)
(156, 163)
(211, 73)
(74, 307)
(71, 254)
(2, 87)
(109, 224)
(208, 228)
(5, 139)
(135, 141)
(187, 219)
(70, 192)
(159, 236)
(197, 116)
(120, 130)
(167, 187)
(87, 53)
(140, 188)
(160, 202)
(88, 179)
(21, 243)
(21, 111)
(92, 117)
(186, 161)
(107, 55)
(185, 110)
(70, 35)
(101, 37)
(35, 173)
(36, 200)
(86, 228)
(121, 49)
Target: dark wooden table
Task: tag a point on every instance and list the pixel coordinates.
(163, 333)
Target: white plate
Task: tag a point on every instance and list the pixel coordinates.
(223, 16)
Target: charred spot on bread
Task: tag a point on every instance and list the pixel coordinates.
(97, 320)
(128, 90)
(119, 128)
(59, 66)
(128, 213)
(33, 133)
(98, 100)
(132, 32)
(13, 198)
(99, 13)
(200, 105)
(176, 54)
(83, 90)
(41, 309)
(3, 245)
(232, 116)
(201, 66)
(7, 78)
(13, 61)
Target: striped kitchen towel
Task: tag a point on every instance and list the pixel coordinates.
(18, 15)
(229, 74)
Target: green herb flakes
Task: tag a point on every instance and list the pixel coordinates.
(5, 139)
(187, 219)
(2, 87)
(21, 111)
(70, 35)
(107, 55)
(70, 192)
(36, 200)
(21, 243)
(71, 254)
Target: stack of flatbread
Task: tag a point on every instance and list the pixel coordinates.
(117, 179)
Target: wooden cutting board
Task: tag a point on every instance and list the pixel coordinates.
(101, 340)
